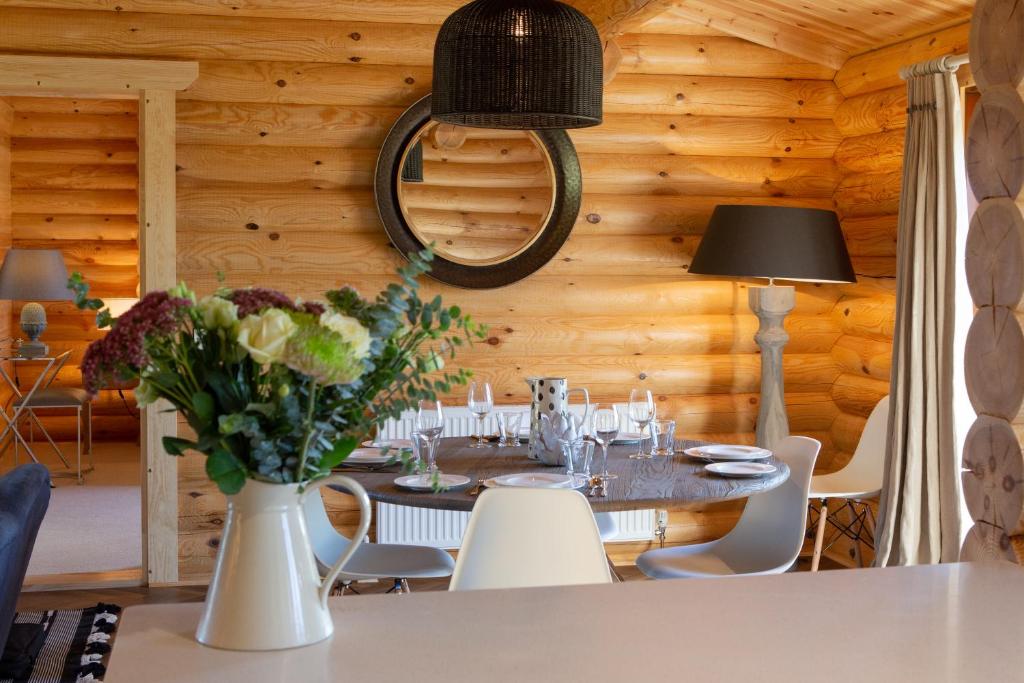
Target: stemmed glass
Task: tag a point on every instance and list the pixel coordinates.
(642, 411)
(429, 427)
(481, 402)
(605, 429)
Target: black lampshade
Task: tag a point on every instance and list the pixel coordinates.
(519, 64)
(774, 242)
(412, 170)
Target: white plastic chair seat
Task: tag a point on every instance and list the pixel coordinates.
(520, 538)
(384, 561)
(372, 560)
(839, 485)
(607, 525)
(766, 540)
(686, 562)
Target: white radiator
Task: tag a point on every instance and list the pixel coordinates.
(444, 528)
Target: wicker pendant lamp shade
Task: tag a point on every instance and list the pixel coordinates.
(518, 64)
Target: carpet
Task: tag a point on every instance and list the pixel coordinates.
(77, 646)
(89, 529)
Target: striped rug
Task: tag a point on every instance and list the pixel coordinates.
(77, 645)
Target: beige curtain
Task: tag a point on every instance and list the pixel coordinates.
(919, 515)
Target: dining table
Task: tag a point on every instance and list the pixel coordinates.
(678, 481)
(956, 623)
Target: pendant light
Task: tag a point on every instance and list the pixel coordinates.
(518, 64)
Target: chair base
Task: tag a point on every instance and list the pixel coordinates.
(860, 529)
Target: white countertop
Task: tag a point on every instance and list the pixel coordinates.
(956, 623)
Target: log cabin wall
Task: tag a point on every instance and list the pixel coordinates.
(74, 182)
(872, 121)
(6, 123)
(277, 142)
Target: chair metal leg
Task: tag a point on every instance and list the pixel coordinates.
(405, 586)
(819, 536)
(616, 576)
(78, 445)
(88, 433)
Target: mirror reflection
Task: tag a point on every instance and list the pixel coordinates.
(482, 196)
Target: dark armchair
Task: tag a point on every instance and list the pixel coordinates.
(24, 497)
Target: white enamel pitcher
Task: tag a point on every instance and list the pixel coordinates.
(266, 592)
(550, 396)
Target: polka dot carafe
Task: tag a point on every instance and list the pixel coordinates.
(550, 396)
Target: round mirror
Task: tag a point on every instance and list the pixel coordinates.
(496, 204)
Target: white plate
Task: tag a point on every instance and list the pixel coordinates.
(535, 480)
(393, 443)
(629, 437)
(723, 453)
(425, 482)
(369, 456)
(741, 470)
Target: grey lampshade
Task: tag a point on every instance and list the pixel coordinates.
(34, 275)
(774, 242)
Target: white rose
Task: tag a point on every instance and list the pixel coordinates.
(265, 335)
(350, 329)
(217, 312)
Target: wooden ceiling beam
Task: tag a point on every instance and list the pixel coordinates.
(616, 17)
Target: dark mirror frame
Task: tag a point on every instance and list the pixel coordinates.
(566, 207)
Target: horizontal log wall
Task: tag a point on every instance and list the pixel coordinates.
(277, 144)
(75, 178)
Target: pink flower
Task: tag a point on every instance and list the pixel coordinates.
(256, 300)
(122, 352)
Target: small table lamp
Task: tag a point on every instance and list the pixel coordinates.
(34, 275)
(776, 243)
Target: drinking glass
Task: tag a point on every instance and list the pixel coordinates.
(481, 402)
(642, 411)
(579, 455)
(508, 428)
(664, 439)
(429, 427)
(605, 429)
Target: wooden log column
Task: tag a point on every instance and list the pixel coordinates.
(994, 355)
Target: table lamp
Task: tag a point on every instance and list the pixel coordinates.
(34, 275)
(775, 243)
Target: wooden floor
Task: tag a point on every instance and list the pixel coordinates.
(126, 597)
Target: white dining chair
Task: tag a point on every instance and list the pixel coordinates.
(855, 484)
(373, 560)
(519, 537)
(766, 540)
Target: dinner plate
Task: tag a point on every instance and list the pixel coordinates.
(425, 482)
(724, 453)
(740, 470)
(535, 480)
(405, 444)
(368, 456)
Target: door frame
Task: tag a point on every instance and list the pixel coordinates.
(153, 83)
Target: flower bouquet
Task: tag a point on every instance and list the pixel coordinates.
(278, 392)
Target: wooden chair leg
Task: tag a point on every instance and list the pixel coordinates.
(819, 536)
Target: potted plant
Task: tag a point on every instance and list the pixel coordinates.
(278, 392)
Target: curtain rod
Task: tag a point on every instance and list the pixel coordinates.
(958, 60)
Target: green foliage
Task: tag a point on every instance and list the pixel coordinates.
(276, 424)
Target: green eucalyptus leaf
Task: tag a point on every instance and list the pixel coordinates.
(225, 470)
(203, 406)
(176, 446)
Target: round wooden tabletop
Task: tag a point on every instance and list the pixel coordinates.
(660, 482)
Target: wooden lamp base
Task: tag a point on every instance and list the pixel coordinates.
(771, 305)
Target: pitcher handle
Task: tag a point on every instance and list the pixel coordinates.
(586, 397)
(357, 491)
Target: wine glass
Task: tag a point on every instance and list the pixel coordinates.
(429, 427)
(481, 402)
(642, 411)
(605, 429)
